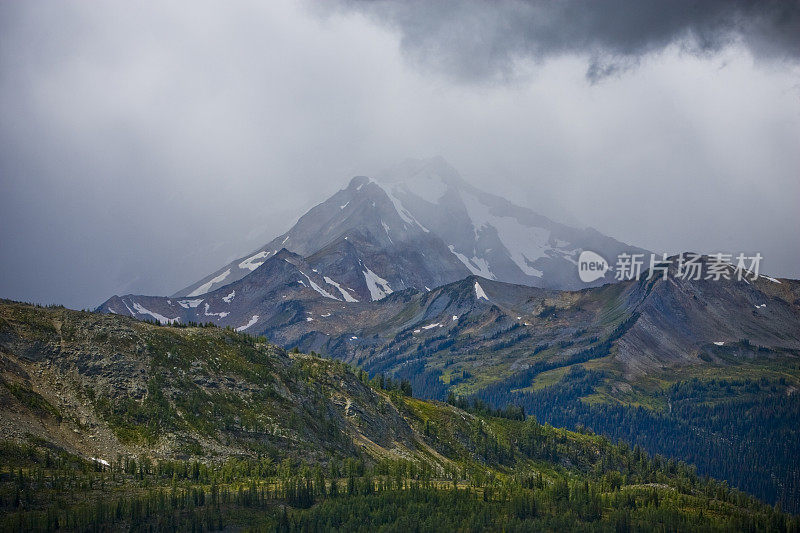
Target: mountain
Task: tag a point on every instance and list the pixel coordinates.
(285, 296)
(715, 361)
(418, 276)
(421, 225)
(110, 423)
(665, 322)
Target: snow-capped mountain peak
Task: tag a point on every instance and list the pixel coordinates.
(420, 224)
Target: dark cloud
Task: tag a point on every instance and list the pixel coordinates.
(143, 145)
(479, 40)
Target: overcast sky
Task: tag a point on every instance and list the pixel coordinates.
(143, 145)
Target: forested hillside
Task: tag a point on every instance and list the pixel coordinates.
(113, 423)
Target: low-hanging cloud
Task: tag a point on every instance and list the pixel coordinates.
(477, 40)
(144, 145)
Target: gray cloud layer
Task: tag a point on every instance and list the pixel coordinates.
(478, 39)
(143, 146)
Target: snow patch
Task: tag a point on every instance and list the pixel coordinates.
(386, 229)
(773, 280)
(187, 304)
(431, 326)
(131, 311)
(480, 293)
(205, 287)
(378, 287)
(524, 243)
(319, 289)
(252, 262)
(719, 343)
(455, 317)
(250, 323)
(476, 265)
(346, 295)
(227, 299)
(407, 217)
(343, 206)
(221, 315)
(161, 318)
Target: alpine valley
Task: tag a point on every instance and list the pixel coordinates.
(413, 354)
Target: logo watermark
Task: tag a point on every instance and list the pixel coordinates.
(689, 266)
(591, 266)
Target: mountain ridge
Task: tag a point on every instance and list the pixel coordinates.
(297, 304)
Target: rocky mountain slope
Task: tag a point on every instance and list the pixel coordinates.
(484, 330)
(421, 225)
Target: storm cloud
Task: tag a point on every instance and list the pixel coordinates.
(143, 145)
(480, 40)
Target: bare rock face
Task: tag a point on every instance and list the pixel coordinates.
(681, 319)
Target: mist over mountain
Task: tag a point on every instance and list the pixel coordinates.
(421, 225)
